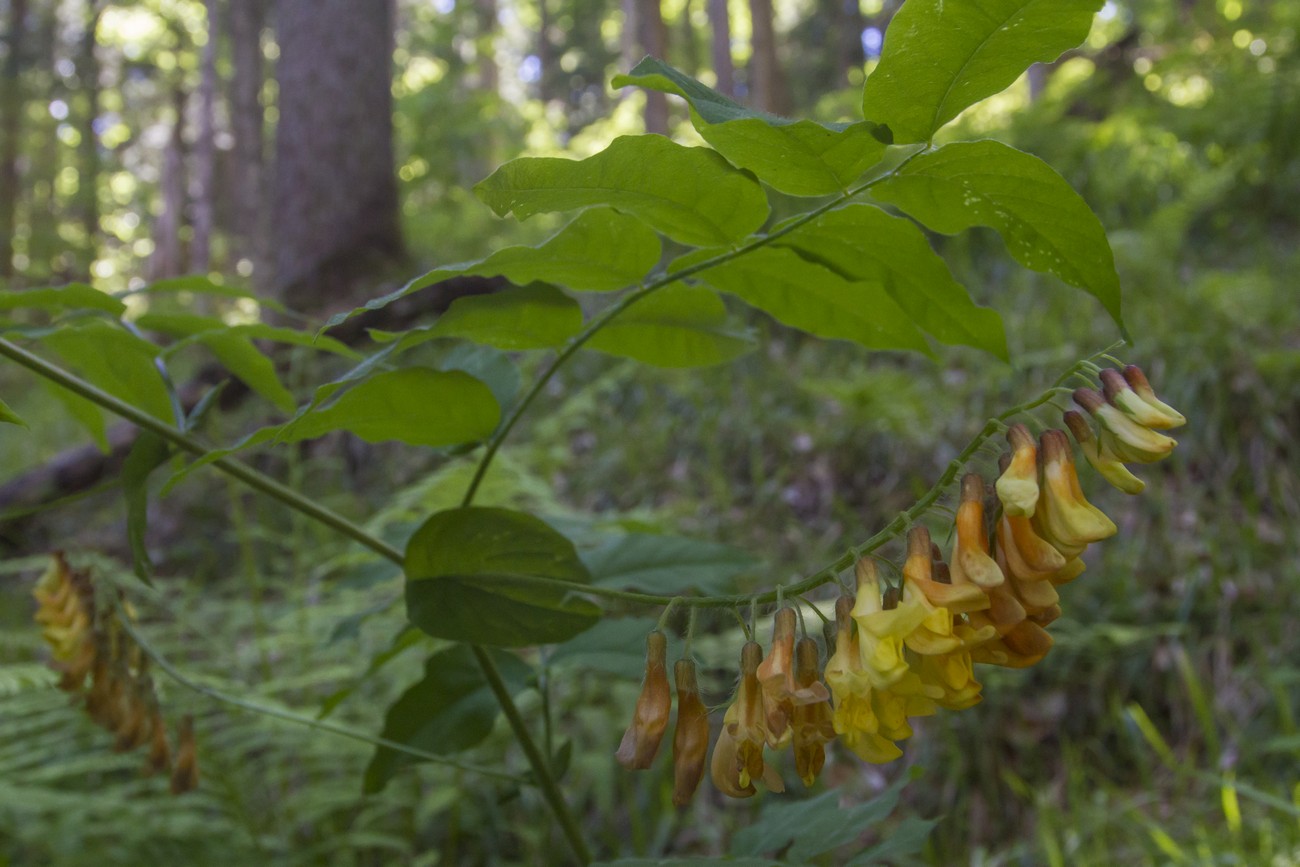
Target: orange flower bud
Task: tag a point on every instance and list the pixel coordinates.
(650, 720)
(691, 737)
(160, 756)
(811, 721)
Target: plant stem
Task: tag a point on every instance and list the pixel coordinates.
(604, 317)
(545, 781)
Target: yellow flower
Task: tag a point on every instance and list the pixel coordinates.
(1137, 380)
(1017, 487)
(811, 721)
(970, 556)
(1132, 394)
(1022, 646)
(1065, 518)
(691, 736)
(1103, 460)
(650, 720)
(1032, 587)
(882, 631)
(937, 633)
(854, 718)
(1126, 438)
(738, 754)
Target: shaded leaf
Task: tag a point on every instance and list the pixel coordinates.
(534, 317)
(813, 826)
(692, 862)
(8, 416)
(689, 194)
(147, 453)
(116, 361)
(941, 56)
(467, 574)
(610, 647)
(74, 295)
(1046, 225)
(905, 841)
(864, 244)
(676, 326)
(667, 565)
(802, 294)
(798, 157)
(599, 251)
(85, 413)
(450, 709)
(415, 405)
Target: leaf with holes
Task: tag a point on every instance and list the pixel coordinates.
(1046, 225)
(942, 56)
(862, 243)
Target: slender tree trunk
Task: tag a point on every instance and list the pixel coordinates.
(849, 24)
(11, 112)
(205, 150)
(88, 150)
(247, 122)
(168, 259)
(485, 12)
(720, 46)
(767, 85)
(690, 49)
(654, 39)
(335, 194)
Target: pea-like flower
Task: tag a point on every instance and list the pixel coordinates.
(1103, 460)
(811, 721)
(650, 720)
(1126, 438)
(970, 557)
(1065, 517)
(854, 718)
(691, 736)
(1141, 406)
(738, 754)
(782, 694)
(1017, 487)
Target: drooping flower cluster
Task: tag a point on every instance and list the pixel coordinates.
(90, 644)
(906, 648)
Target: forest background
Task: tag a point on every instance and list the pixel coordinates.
(324, 152)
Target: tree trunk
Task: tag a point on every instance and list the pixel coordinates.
(11, 112)
(335, 195)
(767, 85)
(485, 13)
(690, 50)
(247, 122)
(168, 258)
(849, 24)
(654, 40)
(88, 150)
(205, 151)
(720, 47)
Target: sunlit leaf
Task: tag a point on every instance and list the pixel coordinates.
(467, 574)
(1046, 225)
(73, 295)
(450, 709)
(799, 157)
(864, 244)
(689, 194)
(599, 251)
(676, 326)
(941, 56)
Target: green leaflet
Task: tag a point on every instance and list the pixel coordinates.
(805, 295)
(198, 285)
(533, 317)
(691, 195)
(74, 295)
(8, 416)
(1046, 225)
(802, 830)
(118, 362)
(801, 158)
(667, 565)
(147, 453)
(676, 326)
(414, 405)
(599, 251)
(862, 243)
(466, 579)
(941, 56)
(450, 709)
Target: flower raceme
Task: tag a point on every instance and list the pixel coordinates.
(89, 643)
(907, 647)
